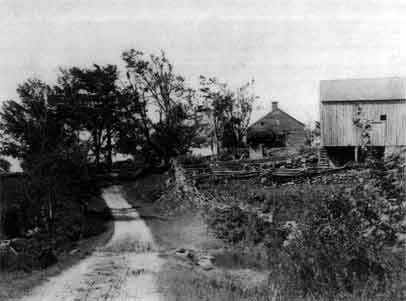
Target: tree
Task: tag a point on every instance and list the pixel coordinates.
(4, 165)
(155, 88)
(267, 138)
(91, 98)
(35, 131)
(312, 133)
(25, 123)
(229, 111)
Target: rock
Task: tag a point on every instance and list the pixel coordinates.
(190, 255)
(32, 232)
(181, 251)
(205, 263)
(73, 252)
(186, 254)
(294, 232)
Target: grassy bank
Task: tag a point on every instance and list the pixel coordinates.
(319, 232)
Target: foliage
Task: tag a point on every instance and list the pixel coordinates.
(4, 165)
(267, 138)
(365, 126)
(50, 205)
(228, 111)
(152, 83)
(325, 240)
(312, 134)
(89, 100)
(348, 238)
(235, 225)
(24, 123)
(192, 159)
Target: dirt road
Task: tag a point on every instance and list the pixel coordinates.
(124, 269)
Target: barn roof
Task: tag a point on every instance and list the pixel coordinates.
(364, 89)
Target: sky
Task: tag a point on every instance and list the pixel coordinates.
(286, 46)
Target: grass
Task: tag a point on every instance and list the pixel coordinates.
(187, 284)
(192, 285)
(292, 202)
(248, 276)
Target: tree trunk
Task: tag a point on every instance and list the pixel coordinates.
(96, 149)
(109, 148)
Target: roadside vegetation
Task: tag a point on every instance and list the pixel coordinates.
(332, 238)
(341, 240)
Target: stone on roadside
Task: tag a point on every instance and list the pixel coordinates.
(205, 263)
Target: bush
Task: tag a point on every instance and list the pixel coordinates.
(192, 159)
(235, 225)
(348, 234)
(349, 238)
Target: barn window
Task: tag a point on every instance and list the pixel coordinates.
(383, 117)
(262, 123)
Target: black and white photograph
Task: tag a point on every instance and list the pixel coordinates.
(190, 150)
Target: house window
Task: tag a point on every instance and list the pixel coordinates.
(262, 123)
(383, 117)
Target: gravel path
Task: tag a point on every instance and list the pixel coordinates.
(125, 268)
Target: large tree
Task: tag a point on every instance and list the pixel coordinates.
(35, 131)
(24, 123)
(228, 110)
(4, 165)
(91, 99)
(163, 106)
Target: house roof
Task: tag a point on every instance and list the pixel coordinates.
(363, 89)
(277, 127)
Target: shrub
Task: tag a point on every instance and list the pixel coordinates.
(349, 237)
(235, 225)
(192, 159)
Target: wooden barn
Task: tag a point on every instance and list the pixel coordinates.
(344, 104)
(287, 130)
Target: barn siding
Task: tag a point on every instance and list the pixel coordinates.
(338, 128)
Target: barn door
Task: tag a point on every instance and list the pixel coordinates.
(378, 133)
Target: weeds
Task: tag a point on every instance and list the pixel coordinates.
(346, 245)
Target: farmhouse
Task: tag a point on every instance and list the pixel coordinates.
(276, 129)
(346, 106)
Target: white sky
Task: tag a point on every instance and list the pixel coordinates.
(287, 46)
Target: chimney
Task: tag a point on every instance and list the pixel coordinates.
(274, 106)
